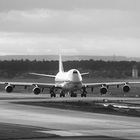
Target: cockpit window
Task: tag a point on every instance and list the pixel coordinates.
(75, 72)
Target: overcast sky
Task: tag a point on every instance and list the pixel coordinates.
(87, 27)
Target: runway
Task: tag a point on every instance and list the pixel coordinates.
(18, 121)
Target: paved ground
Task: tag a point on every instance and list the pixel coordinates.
(19, 121)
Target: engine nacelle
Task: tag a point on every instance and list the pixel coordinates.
(103, 90)
(36, 90)
(9, 88)
(126, 88)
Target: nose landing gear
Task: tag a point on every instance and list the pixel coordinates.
(83, 95)
(73, 94)
(62, 94)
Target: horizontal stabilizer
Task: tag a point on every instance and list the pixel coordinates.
(44, 75)
(84, 73)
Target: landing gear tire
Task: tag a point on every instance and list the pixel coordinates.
(83, 95)
(73, 94)
(62, 95)
(53, 95)
(52, 92)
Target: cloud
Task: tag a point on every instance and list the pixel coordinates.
(69, 4)
(30, 43)
(77, 31)
(59, 21)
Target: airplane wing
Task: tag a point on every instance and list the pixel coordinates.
(37, 87)
(92, 85)
(104, 86)
(43, 85)
(110, 83)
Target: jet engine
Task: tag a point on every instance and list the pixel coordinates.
(9, 88)
(103, 90)
(126, 88)
(36, 90)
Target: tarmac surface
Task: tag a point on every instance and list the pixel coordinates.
(19, 121)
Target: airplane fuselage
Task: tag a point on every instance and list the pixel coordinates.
(69, 81)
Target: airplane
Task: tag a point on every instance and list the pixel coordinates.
(67, 82)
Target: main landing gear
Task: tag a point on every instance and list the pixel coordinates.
(84, 93)
(72, 93)
(52, 93)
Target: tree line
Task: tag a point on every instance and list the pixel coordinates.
(111, 69)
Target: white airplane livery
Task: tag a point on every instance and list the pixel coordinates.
(67, 82)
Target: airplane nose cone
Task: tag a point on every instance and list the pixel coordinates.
(75, 76)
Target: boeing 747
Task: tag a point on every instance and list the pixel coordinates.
(67, 82)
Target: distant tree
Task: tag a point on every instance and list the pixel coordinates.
(98, 68)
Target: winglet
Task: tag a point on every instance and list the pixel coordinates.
(61, 69)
